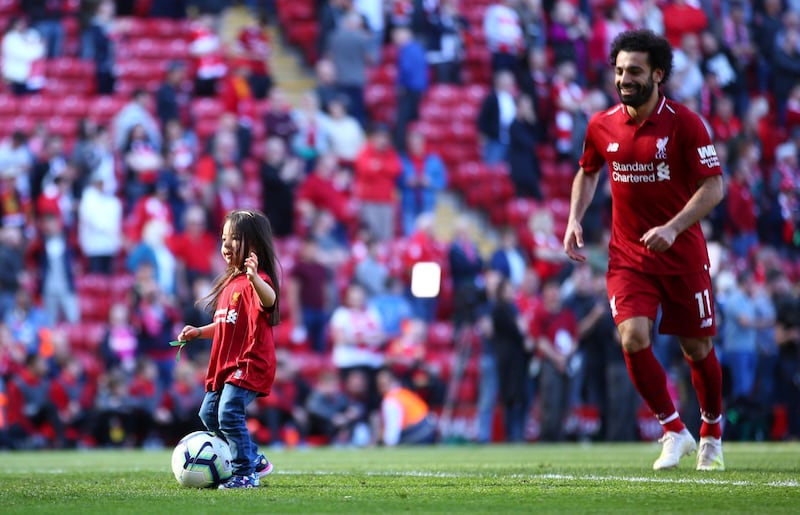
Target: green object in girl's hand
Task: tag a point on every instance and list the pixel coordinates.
(179, 344)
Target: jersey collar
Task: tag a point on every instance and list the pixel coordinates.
(661, 105)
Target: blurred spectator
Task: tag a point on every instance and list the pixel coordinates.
(111, 416)
(181, 403)
(283, 412)
(533, 20)
(99, 226)
(31, 409)
(785, 69)
(535, 81)
(53, 257)
(393, 307)
(511, 350)
(421, 246)
(153, 251)
(143, 161)
(347, 135)
(180, 149)
(144, 401)
(330, 15)
(608, 23)
(687, 75)
(424, 177)
(644, 13)
(504, 35)
(153, 316)
(171, 98)
(543, 245)
(237, 99)
(741, 210)
(309, 295)
(59, 197)
(555, 332)
(119, 346)
(508, 259)
(725, 125)
(281, 174)
(524, 136)
(195, 250)
(412, 81)
(488, 377)
(466, 268)
(498, 110)
(325, 87)
(358, 339)
(278, 118)
(154, 205)
(312, 138)
(93, 154)
(46, 16)
(12, 266)
(371, 271)
(568, 36)
(325, 188)
(787, 336)
(374, 14)
(721, 63)
(26, 321)
(205, 48)
(16, 159)
(22, 52)
(682, 17)
(349, 48)
(135, 112)
(332, 414)
(445, 36)
(377, 168)
(253, 45)
(766, 25)
(97, 45)
(405, 417)
(568, 96)
(223, 152)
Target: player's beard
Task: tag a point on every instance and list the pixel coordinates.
(641, 96)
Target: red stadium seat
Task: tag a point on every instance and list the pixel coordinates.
(206, 108)
(61, 126)
(70, 67)
(9, 105)
(73, 106)
(104, 108)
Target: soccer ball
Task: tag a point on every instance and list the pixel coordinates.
(201, 460)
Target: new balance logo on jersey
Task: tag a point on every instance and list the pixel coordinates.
(233, 315)
(706, 323)
(708, 156)
(661, 147)
(612, 147)
(662, 171)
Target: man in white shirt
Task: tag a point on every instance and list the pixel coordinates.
(99, 226)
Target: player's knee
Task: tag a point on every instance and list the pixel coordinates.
(696, 348)
(634, 341)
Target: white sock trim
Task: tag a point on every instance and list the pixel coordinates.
(711, 420)
(668, 419)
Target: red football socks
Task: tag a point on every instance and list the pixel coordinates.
(650, 381)
(707, 382)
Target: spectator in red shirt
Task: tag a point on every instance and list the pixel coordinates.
(30, 408)
(724, 122)
(741, 210)
(377, 168)
(555, 332)
(680, 18)
(254, 47)
(205, 47)
(325, 188)
(194, 249)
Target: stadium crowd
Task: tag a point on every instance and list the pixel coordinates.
(109, 229)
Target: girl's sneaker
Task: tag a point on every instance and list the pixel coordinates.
(250, 481)
(263, 467)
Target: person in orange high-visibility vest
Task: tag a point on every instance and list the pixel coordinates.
(405, 416)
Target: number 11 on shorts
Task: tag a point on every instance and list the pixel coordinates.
(703, 303)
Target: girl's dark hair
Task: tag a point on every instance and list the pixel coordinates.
(657, 48)
(256, 236)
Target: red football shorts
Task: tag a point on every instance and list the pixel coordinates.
(686, 300)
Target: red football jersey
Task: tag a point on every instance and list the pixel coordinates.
(243, 349)
(654, 169)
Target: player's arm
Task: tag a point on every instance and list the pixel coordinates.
(191, 332)
(583, 189)
(708, 195)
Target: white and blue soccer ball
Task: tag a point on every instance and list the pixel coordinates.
(201, 460)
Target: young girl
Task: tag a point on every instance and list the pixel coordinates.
(242, 362)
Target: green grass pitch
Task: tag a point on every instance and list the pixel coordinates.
(536, 478)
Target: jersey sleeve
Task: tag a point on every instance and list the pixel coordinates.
(591, 160)
(702, 160)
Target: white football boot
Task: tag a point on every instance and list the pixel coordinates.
(675, 447)
(709, 457)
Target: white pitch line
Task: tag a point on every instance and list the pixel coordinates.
(562, 477)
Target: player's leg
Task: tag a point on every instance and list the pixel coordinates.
(689, 314)
(707, 381)
(233, 402)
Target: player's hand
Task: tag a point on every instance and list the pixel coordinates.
(189, 332)
(659, 239)
(251, 266)
(573, 240)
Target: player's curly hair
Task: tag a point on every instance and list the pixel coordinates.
(657, 48)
